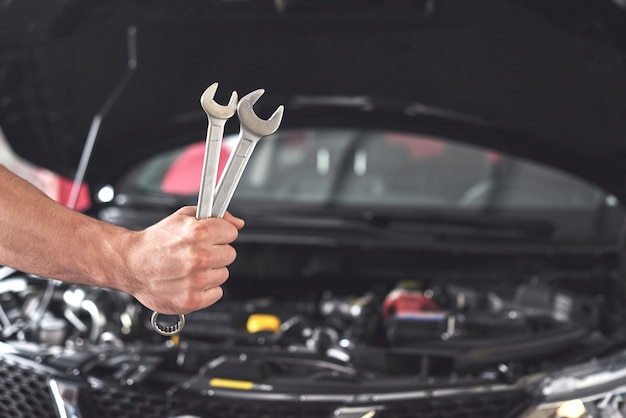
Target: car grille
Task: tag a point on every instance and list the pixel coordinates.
(25, 394)
(492, 405)
(118, 404)
(111, 403)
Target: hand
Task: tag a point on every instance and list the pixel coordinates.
(178, 265)
(175, 266)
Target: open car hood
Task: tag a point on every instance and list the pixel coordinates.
(546, 80)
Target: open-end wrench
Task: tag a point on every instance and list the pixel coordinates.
(217, 116)
(252, 129)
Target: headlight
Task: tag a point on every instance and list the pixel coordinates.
(594, 389)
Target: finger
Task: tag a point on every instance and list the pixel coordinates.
(238, 222)
(200, 298)
(218, 231)
(221, 257)
(219, 276)
(212, 295)
(208, 260)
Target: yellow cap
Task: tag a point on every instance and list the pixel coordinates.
(231, 384)
(263, 322)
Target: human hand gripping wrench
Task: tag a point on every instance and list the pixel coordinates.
(213, 200)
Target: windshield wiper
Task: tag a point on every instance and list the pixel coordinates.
(464, 224)
(403, 223)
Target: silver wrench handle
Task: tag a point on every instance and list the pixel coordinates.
(209, 167)
(233, 171)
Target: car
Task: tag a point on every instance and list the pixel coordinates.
(435, 230)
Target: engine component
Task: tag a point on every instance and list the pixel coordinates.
(412, 315)
(263, 322)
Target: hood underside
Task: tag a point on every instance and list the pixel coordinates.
(548, 77)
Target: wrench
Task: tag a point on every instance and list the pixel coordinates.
(252, 129)
(217, 116)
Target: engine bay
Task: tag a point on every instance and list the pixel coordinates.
(408, 332)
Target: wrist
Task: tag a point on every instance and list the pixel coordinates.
(110, 249)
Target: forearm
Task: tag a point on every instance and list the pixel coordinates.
(174, 266)
(43, 237)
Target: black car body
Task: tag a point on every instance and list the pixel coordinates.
(501, 298)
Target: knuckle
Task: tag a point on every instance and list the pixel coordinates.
(193, 262)
(209, 259)
(192, 302)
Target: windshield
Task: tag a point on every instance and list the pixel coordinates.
(373, 168)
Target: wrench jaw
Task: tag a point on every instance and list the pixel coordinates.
(214, 109)
(252, 123)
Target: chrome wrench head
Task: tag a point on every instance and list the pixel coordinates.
(253, 129)
(214, 109)
(249, 120)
